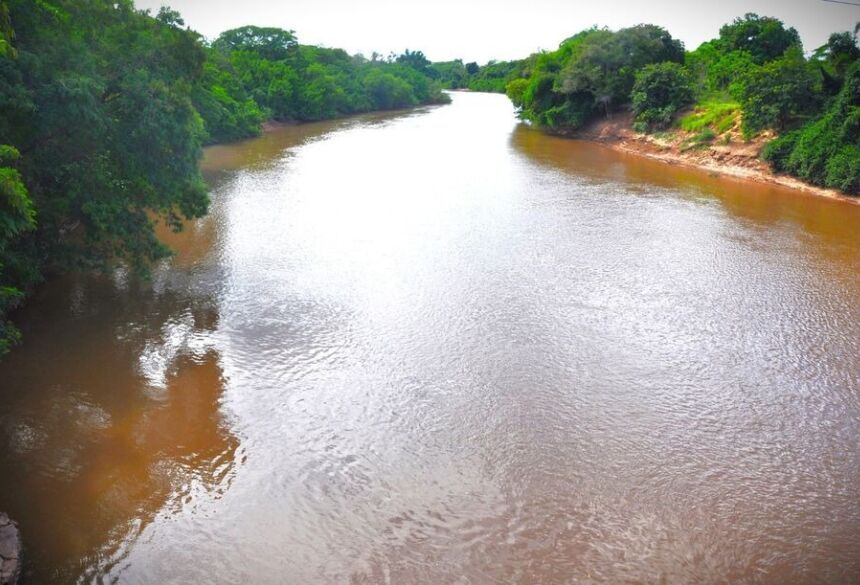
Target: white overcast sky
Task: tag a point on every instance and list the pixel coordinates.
(480, 30)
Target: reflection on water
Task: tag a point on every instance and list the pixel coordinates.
(440, 347)
(766, 204)
(110, 416)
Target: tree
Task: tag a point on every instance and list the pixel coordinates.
(717, 71)
(779, 94)
(417, 61)
(842, 48)
(835, 59)
(606, 63)
(826, 151)
(17, 216)
(110, 106)
(494, 76)
(99, 101)
(170, 17)
(452, 74)
(253, 74)
(269, 43)
(388, 92)
(320, 94)
(516, 91)
(6, 32)
(594, 71)
(764, 38)
(660, 90)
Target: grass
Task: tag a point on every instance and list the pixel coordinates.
(718, 116)
(700, 141)
(705, 136)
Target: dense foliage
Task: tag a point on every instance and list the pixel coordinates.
(104, 110)
(826, 151)
(660, 90)
(492, 77)
(95, 105)
(16, 208)
(763, 38)
(253, 74)
(17, 216)
(779, 94)
(753, 78)
(591, 74)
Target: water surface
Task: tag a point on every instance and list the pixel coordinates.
(440, 347)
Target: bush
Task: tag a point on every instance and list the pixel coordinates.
(700, 140)
(660, 90)
(573, 114)
(779, 150)
(843, 170)
(825, 152)
(516, 91)
(706, 136)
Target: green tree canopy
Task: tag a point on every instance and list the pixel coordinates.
(97, 99)
(17, 216)
(780, 93)
(109, 106)
(269, 43)
(826, 151)
(591, 72)
(763, 37)
(836, 58)
(660, 90)
(452, 74)
(388, 92)
(253, 74)
(414, 59)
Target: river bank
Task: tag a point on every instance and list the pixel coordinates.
(356, 361)
(736, 159)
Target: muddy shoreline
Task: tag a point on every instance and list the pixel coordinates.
(737, 159)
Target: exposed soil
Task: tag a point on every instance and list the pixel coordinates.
(737, 157)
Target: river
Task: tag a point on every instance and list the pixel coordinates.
(439, 347)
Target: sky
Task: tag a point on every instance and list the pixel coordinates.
(480, 30)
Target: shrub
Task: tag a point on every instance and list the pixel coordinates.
(843, 170)
(825, 152)
(705, 136)
(777, 151)
(516, 90)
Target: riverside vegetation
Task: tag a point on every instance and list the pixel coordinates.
(104, 109)
(751, 81)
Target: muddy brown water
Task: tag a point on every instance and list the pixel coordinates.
(440, 347)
